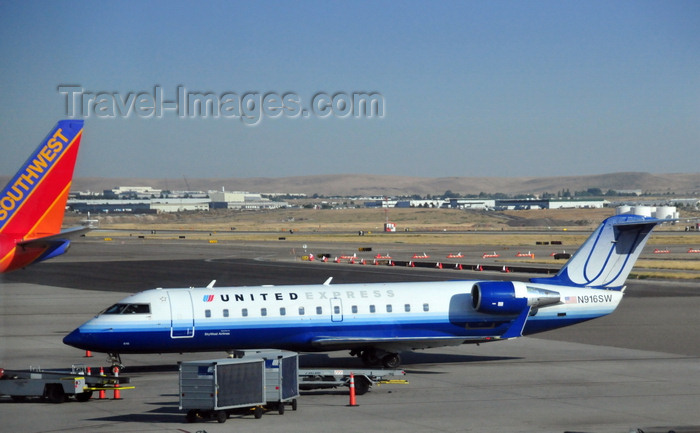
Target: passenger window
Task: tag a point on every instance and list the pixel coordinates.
(372, 309)
(407, 308)
(301, 311)
(283, 311)
(263, 311)
(244, 312)
(207, 313)
(336, 309)
(354, 309)
(225, 312)
(388, 308)
(426, 307)
(319, 310)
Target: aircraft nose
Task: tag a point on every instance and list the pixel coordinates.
(75, 339)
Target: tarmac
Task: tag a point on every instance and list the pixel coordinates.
(635, 369)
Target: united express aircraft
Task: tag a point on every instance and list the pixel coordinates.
(373, 321)
(33, 203)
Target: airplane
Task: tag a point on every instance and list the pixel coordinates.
(374, 321)
(33, 203)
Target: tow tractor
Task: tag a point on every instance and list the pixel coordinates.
(57, 385)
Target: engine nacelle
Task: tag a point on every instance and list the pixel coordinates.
(510, 297)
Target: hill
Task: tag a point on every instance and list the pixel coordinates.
(379, 185)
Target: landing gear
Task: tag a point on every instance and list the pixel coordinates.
(372, 357)
(391, 360)
(115, 360)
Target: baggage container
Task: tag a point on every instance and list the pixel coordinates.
(281, 376)
(214, 389)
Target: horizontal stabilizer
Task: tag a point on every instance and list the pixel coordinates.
(606, 258)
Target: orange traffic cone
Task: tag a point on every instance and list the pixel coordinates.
(353, 401)
(117, 393)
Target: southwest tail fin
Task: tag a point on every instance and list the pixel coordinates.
(608, 255)
(33, 203)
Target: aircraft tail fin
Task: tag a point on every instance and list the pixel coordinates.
(34, 201)
(606, 258)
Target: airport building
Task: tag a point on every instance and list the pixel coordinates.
(128, 199)
(242, 200)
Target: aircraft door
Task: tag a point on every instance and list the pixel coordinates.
(336, 310)
(181, 314)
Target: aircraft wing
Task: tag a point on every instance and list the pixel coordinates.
(393, 343)
(411, 343)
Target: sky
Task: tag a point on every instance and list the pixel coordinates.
(463, 88)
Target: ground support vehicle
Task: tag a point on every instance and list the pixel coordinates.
(57, 385)
(333, 378)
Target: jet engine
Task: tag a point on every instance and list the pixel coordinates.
(510, 297)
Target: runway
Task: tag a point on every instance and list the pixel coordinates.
(635, 368)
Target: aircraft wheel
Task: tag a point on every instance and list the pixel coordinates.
(392, 360)
(369, 357)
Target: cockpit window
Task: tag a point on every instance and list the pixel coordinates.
(128, 309)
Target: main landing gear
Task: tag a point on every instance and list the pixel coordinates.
(371, 357)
